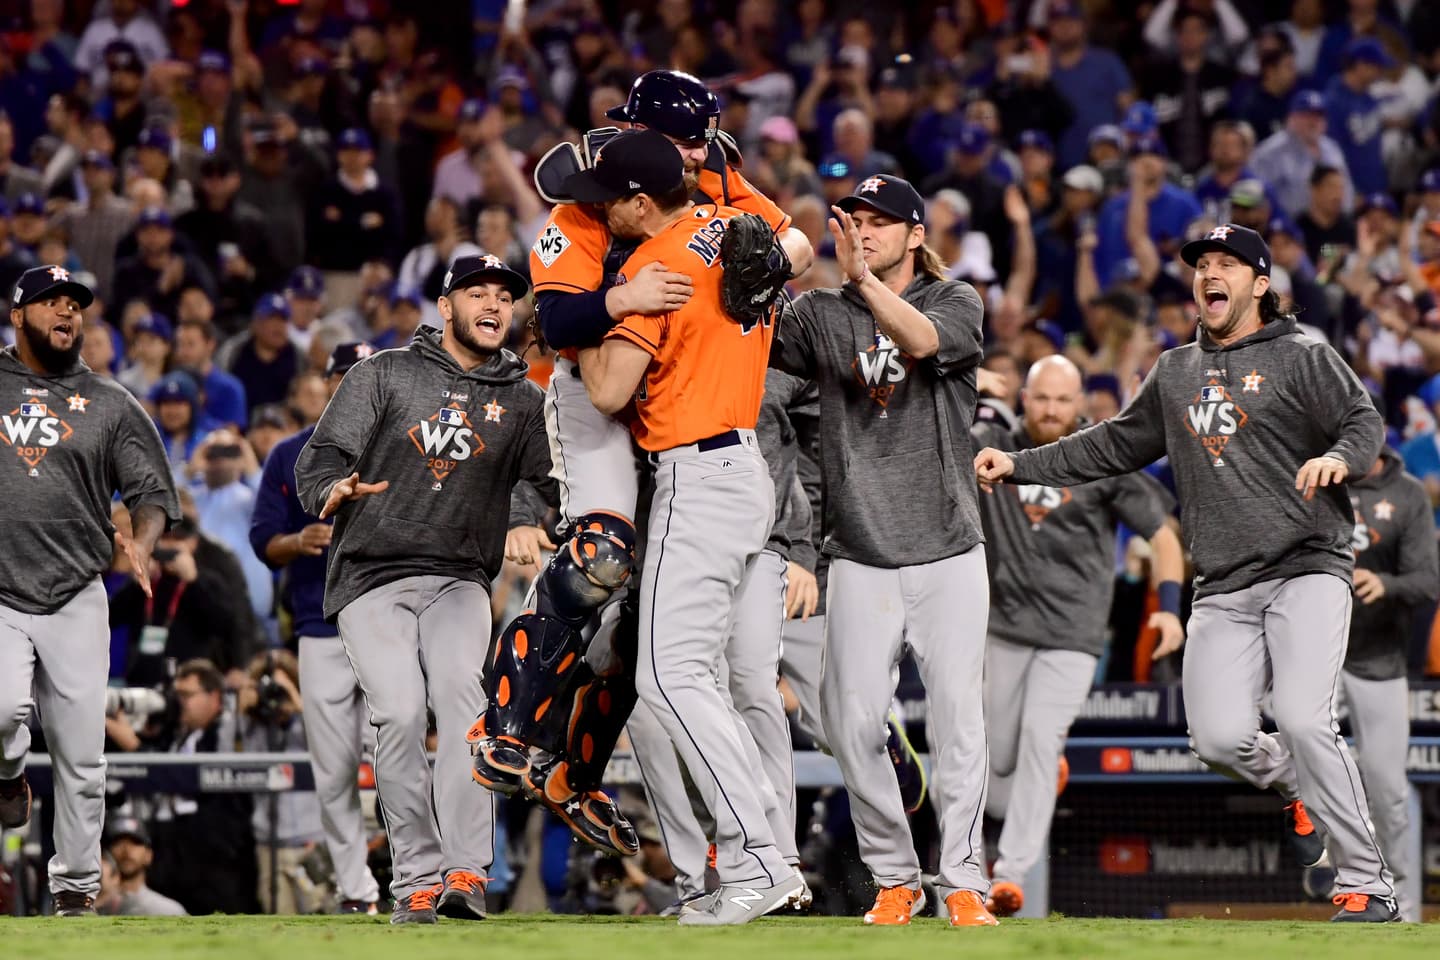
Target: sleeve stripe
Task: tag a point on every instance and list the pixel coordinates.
(651, 348)
(560, 285)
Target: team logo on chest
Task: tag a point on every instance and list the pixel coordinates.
(1365, 536)
(446, 439)
(1214, 418)
(31, 430)
(1038, 501)
(881, 369)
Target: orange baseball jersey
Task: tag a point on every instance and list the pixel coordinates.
(570, 254)
(707, 372)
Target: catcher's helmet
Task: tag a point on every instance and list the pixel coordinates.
(675, 103)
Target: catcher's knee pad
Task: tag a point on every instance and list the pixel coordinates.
(536, 668)
(596, 559)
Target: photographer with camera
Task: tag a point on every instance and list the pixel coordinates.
(287, 825)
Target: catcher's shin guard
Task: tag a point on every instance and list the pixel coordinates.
(538, 663)
(602, 707)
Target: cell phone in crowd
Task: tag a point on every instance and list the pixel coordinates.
(228, 251)
(223, 451)
(165, 554)
(1020, 62)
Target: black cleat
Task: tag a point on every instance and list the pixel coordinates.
(592, 815)
(1304, 839)
(72, 903)
(418, 907)
(464, 896)
(1365, 908)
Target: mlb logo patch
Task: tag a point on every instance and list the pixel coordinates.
(32, 410)
(451, 417)
(1212, 394)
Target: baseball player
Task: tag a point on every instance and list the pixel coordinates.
(575, 263)
(713, 507)
(1052, 573)
(287, 538)
(415, 458)
(1395, 570)
(1262, 425)
(71, 439)
(894, 353)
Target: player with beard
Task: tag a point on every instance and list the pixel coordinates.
(1262, 426)
(416, 457)
(1052, 570)
(71, 439)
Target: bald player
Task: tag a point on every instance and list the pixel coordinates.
(697, 378)
(1052, 572)
(1262, 426)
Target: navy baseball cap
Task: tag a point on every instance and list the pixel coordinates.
(156, 325)
(1367, 50)
(972, 140)
(212, 61)
(635, 161)
(1065, 9)
(123, 55)
(306, 281)
(154, 217)
(1231, 238)
(127, 828)
(29, 203)
(272, 305)
(468, 271)
(155, 137)
(1377, 201)
(890, 195)
(472, 110)
(38, 283)
(312, 67)
(1149, 144)
(346, 355)
(98, 159)
(1036, 139)
(177, 385)
(1430, 181)
(1282, 224)
(355, 138)
(399, 295)
(1308, 101)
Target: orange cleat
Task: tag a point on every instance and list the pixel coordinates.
(968, 910)
(894, 906)
(1005, 899)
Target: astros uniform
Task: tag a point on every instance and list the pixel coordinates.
(713, 509)
(67, 442)
(1394, 537)
(1273, 570)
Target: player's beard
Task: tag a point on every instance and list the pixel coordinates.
(52, 358)
(1232, 320)
(883, 268)
(465, 335)
(692, 180)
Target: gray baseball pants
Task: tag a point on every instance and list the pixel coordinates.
(411, 642)
(1032, 696)
(1380, 720)
(335, 729)
(64, 659)
(1287, 637)
(939, 610)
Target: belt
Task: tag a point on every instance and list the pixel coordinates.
(730, 438)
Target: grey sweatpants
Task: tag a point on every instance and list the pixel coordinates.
(710, 516)
(1032, 696)
(801, 654)
(1287, 637)
(65, 659)
(939, 610)
(1380, 720)
(335, 729)
(416, 641)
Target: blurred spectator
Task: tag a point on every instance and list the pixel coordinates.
(404, 317)
(937, 125)
(1189, 89)
(308, 396)
(98, 224)
(265, 360)
(14, 259)
(782, 162)
(1421, 452)
(28, 224)
(1329, 233)
(423, 269)
(1164, 23)
(129, 855)
(155, 156)
(126, 21)
(968, 174)
(1023, 90)
(1231, 144)
(1306, 30)
(1353, 114)
(287, 825)
(1248, 205)
(358, 319)
(1362, 21)
(278, 180)
(1287, 250)
(1102, 397)
(305, 295)
(229, 237)
(1168, 208)
(965, 251)
(223, 473)
(1057, 239)
(151, 338)
(123, 107)
(457, 176)
(195, 343)
(1265, 103)
(269, 424)
(832, 91)
(204, 843)
(353, 217)
(1037, 172)
(182, 423)
(496, 231)
(1000, 161)
(1285, 160)
(854, 140)
(98, 350)
(1094, 80)
(15, 178)
(159, 270)
(895, 106)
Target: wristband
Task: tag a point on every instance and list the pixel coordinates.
(1169, 591)
(864, 272)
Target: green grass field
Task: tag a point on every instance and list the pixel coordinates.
(539, 938)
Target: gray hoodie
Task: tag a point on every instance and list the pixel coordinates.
(1237, 423)
(1395, 537)
(68, 443)
(895, 449)
(452, 444)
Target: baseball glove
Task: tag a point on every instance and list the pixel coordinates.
(756, 269)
